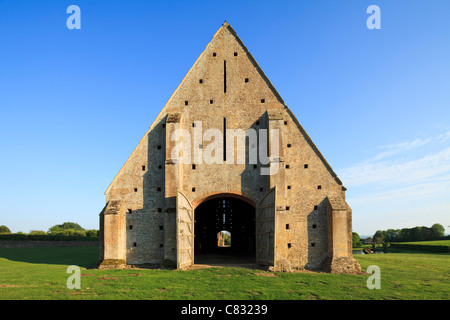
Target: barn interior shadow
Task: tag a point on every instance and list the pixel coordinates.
(225, 232)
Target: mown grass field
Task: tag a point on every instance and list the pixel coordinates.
(40, 273)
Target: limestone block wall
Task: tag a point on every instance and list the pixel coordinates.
(140, 184)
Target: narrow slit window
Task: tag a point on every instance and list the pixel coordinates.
(263, 100)
(319, 187)
(159, 167)
(158, 189)
(135, 189)
(316, 207)
(224, 139)
(200, 81)
(289, 187)
(159, 209)
(224, 76)
(214, 54)
(287, 226)
(246, 80)
(305, 166)
(143, 168)
(130, 211)
(289, 245)
(161, 227)
(186, 103)
(211, 101)
(193, 167)
(193, 189)
(130, 227)
(287, 208)
(314, 226)
(287, 166)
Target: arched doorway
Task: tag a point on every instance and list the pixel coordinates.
(224, 231)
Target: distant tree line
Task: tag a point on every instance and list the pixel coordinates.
(63, 231)
(436, 232)
(385, 237)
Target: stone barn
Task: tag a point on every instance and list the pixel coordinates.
(226, 154)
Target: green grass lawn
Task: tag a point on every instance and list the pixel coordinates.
(40, 273)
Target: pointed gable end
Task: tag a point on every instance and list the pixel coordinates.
(227, 78)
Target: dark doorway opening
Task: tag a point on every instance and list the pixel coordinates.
(224, 232)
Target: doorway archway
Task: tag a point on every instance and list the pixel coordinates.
(229, 213)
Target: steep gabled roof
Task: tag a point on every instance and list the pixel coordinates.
(227, 28)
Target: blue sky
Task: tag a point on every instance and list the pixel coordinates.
(75, 103)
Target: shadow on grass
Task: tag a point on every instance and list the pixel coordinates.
(412, 251)
(358, 252)
(79, 256)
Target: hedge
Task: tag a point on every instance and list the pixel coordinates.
(44, 237)
(421, 247)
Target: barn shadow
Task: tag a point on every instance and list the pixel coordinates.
(82, 256)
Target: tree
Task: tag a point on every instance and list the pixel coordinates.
(426, 233)
(62, 228)
(437, 231)
(37, 232)
(406, 235)
(92, 233)
(391, 235)
(356, 240)
(73, 232)
(4, 229)
(379, 236)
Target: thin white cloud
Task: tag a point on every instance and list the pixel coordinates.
(444, 137)
(394, 149)
(402, 163)
(401, 185)
(438, 187)
(397, 171)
